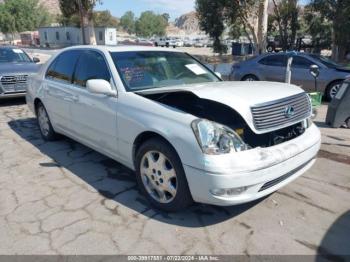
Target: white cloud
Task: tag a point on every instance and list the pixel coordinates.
(176, 7)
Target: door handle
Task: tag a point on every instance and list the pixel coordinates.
(75, 98)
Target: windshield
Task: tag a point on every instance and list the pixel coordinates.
(326, 61)
(154, 69)
(8, 55)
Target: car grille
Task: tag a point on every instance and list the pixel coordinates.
(13, 84)
(281, 113)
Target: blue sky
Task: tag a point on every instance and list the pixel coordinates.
(175, 8)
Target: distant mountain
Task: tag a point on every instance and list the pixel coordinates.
(188, 23)
(52, 6)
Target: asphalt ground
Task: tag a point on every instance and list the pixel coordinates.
(64, 198)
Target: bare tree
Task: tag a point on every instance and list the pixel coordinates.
(262, 25)
(84, 8)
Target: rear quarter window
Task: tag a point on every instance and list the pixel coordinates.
(62, 68)
(274, 60)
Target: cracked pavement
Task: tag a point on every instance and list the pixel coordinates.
(64, 198)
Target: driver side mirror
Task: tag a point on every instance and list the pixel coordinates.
(314, 71)
(36, 60)
(100, 87)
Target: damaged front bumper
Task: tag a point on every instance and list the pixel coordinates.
(242, 177)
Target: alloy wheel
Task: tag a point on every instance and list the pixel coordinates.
(158, 177)
(334, 90)
(44, 122)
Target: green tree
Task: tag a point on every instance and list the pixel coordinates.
(318, 27)
(84, 8)
(150, 24)
(127, 22)
(337, 12)
(22, 15)
(286, 14)
(166, 17)
(210, 14)
(73, 20)
(104, 19)
(215, 16)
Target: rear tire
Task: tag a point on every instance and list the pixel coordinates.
(250, 78)
(161, 177)
(46, 129)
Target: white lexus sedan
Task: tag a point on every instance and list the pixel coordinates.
(188, 135)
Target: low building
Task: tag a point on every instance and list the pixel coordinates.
(66, 36)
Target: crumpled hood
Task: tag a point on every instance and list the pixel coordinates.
(18, 68)
(240, 96)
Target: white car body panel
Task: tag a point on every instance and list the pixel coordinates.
(111, 125)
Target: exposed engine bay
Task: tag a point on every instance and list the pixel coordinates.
(222, 114)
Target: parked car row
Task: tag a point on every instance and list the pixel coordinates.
(179, 42)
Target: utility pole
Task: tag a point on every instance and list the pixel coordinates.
(82, 20)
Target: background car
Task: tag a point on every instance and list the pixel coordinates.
(272, 67)
(15, 67)
(188, 42)
(144, 42)
(165, 42)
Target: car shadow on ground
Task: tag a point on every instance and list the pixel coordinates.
(12, 102)
(102, 173)
(335, 245)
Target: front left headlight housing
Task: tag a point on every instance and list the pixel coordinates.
(216, 139)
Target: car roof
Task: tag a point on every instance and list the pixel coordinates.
(286, 53)
(123, 48)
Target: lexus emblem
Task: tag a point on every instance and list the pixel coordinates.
(289, 111)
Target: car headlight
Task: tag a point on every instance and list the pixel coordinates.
(216, 139)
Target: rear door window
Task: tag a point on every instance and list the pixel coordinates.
(91, 65)
(62, 68)
(274, 60)
(301, 62)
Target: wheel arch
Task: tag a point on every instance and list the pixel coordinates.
(332, 82)
(145, 136)
(246, 75)
(37, 101)
(328, 86)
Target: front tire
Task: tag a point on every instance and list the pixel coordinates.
(161, 177)
(333, 89)
(270, 49)
(250, 78)
(46, 129)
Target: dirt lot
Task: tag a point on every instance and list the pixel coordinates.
(64, 198)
